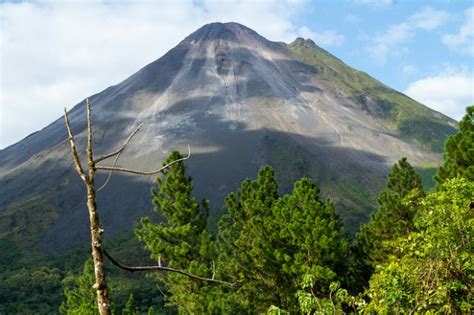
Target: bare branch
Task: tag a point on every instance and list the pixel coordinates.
(117, 155)
(72, 143)
(117, 152)
(90, 158)
(126, 170)
(161, 268)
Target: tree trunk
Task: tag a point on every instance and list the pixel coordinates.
(97, 252)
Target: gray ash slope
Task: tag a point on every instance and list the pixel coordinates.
(240, 101)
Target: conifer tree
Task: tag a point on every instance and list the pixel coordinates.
(176, 240)
(459, 151)
(312, 248)
(393, 218)
(181, 240)
(245, 251)
(268, 244)
(81, 299)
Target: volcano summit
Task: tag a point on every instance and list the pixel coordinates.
(240, 101)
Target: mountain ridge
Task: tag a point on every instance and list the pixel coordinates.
(364, 92)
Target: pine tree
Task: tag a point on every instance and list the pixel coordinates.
(459, 151)
(81, 298)
(269, 244)
(176, 239)
(393, 218)
(311, 249)
(245, 251)
(181, 240)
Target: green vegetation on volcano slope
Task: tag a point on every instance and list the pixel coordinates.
(354, 202)
(410, 119)
(20, 221)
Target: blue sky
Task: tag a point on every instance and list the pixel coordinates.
(419, 54)
(56, 53)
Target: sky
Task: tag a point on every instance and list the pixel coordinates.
(55, 53)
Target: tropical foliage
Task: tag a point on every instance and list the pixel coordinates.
(434, 270)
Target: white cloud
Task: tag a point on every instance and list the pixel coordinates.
(463, 41)
(449, 92)
(391, 41)
(324, 38)
(53, 54)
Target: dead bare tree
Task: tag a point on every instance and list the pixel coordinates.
(96, 230)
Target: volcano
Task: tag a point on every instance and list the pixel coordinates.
(240, 101)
